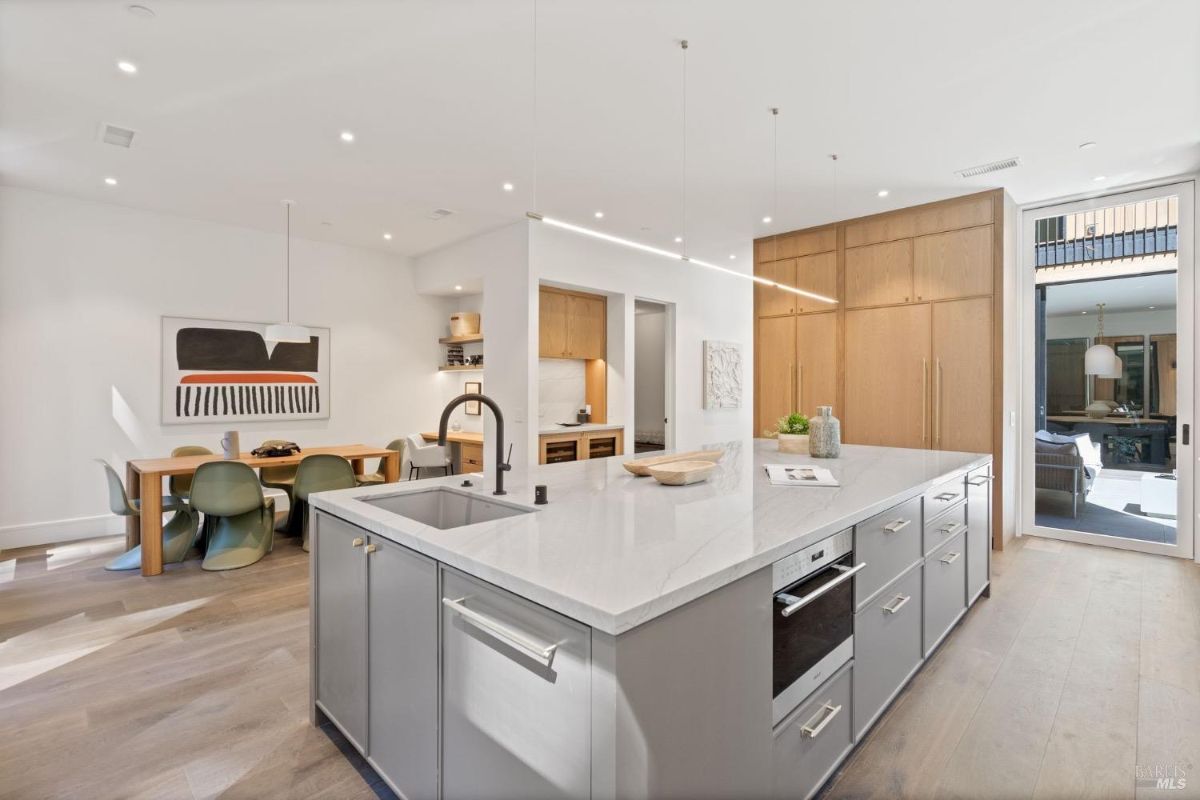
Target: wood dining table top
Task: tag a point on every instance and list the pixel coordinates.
(458, 437)
(182, 465)
(1105, 420)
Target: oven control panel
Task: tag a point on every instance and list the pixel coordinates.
(787, 571)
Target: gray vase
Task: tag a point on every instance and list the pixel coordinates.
(824, 434)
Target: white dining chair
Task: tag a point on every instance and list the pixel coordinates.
(422, 454)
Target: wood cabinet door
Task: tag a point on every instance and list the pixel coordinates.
(816, 362)
(586, 325)
(962, 375)
(769, 301)
(887, 376)
(953, 264)
(879, 274)
(775, 358)
(552, 324)
(816, 274)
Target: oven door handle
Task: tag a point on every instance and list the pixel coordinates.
(794, 604)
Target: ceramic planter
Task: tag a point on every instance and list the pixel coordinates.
(793, 443)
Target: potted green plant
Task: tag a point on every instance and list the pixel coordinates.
(792, 433)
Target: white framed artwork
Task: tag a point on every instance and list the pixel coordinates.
(722, 374)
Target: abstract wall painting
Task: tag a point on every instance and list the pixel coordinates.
(219, 371)
(722, 374)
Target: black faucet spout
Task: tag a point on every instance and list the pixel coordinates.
(502, 466)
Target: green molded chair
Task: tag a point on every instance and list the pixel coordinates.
(179, 534)
(377, 476)
(278, 477)
(241, 521)
(181, 485)
(322, 472)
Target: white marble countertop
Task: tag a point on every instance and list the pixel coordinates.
(613, 550)
(587, 426)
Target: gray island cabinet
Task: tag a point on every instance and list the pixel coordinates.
(619, 642)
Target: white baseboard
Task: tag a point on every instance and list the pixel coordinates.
(60, 530)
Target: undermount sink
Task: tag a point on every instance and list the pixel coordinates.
(445, 508)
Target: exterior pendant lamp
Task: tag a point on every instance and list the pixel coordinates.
(1100, 359)
(287, 331)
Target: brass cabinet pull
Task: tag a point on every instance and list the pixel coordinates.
(371, 548)
(357, 542)
(924, 396)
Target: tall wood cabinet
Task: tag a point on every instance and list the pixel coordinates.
(911, 354)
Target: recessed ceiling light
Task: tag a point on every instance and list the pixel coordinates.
(882, 193)
(732, 256)
(678, 239)
(1100, 178)
(1083, 312)
(1150, 307)
(457, 288)
(387, 236)
(347, 136)
(766, 220)
(1087, 145)
(508, 187)
(599, 215)
(111, 181)
(128, 67)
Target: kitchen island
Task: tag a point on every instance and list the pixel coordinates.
(624, 639)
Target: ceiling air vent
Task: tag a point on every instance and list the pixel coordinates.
(440, 213)
(112, 134)
(983, 169)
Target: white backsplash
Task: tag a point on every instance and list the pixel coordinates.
(561, 389)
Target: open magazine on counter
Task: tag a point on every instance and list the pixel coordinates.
(799, 475)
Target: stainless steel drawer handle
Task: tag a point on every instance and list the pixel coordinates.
(946, 496)
(794, 603)
(357, 542)
(951, 528)
(949, 558)
(980, 481)
(897, 603)
(827, 713)
(543, 653)
(897, 526)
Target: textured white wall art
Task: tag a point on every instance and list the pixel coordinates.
(722, 374)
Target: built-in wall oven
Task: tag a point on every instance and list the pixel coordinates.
(813, 613)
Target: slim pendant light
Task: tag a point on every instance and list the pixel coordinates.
(1100, 359)
(287, 331)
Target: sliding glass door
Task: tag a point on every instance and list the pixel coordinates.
(1109, 299)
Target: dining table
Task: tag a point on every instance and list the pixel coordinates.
(143, 480)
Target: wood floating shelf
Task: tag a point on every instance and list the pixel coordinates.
(471, 339)
(462, 368)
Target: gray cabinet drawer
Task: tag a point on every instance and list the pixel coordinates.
(887, 647)
(943, 496)
(945, 589)
(812, 740)
(889, 543)
(944, 528)
(979, 530)
(515, 723)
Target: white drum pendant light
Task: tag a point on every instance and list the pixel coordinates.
(1100, 359)
(287, 331)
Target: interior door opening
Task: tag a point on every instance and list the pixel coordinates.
(651, 381)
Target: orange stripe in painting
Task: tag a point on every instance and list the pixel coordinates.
(248, 377)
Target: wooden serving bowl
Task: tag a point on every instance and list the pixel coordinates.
(681, 473)
(641, 466)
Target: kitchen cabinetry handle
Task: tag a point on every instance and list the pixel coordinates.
(897, 526)
(799, 386)
(898, 602)
(794, 604)
(946, 496)
(951, 528)
(357, 542)
(542, 653)
(980, 481)
(949, 558)
(827, 713)
(937, 402)
(792, 376)
(371, 548)
(924, 396)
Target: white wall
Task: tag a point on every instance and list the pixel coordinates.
(562, 390)
(1120, 323)
(452, 384)
(82, 288)
(649, 354)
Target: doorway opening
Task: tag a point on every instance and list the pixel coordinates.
(1111, 393)
(651, 381)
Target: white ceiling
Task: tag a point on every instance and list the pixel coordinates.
(1118, 294)
(239, 104)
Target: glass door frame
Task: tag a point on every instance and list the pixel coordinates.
(1188, 300)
